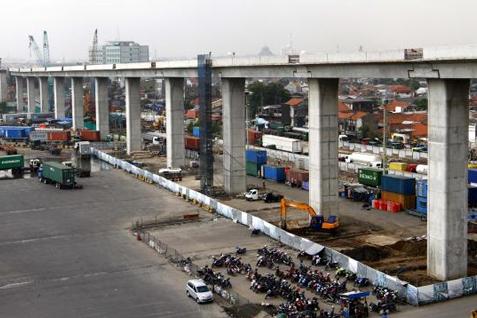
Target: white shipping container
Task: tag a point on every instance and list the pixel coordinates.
(38, 135)
(422, 169)
(282, 143)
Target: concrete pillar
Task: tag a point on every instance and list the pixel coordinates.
(448, 124)
(31, 94)
(19, 81)
(59, 96)
(77, 110)
(133, 115)
(323, 145)
(43, 85)
(102, 106)
(3, 86)
(174, 94)
(233, 96)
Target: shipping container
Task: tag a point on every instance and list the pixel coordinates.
(421, 188)
(62, 135)
(276, 174)
(257, 156)
(11, 162)
(472, 196)
(57, 173)
(89, 135)
(472, 176)
(38, 136)
(253, 168)
(421, 205)
(398, 184)
(295, 177)
(282, 143)
(370, 177)
(406, 201)
(398, 166)
(254, 137)
(15, 133)
(192, 143)
(367, 159)
(305, 185)
(411, 167)
(196, 131)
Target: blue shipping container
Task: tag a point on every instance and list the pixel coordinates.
(257, 156)
(398, 184)
(421, 205)
(196, 131)
(472, 196)
(305, 185)
(14, 133)
(472, 176)
(421, 188)
(274, 173)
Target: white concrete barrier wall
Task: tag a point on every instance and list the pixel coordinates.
(414, 295)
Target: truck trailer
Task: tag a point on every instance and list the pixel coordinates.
(15, 163)
(63, 177)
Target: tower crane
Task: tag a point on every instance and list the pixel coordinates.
(46, 49)
(33, 46)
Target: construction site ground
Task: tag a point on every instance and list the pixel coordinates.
(384, 240)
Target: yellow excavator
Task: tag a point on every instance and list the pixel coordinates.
(317, 222)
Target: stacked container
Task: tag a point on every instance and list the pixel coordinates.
(254, 137)
(192, 143)
(196, 131)
(296, 177)
(421, 201)
(254, 161)
(370, 176)
(400, 190)
(273, 173)
(398, 166)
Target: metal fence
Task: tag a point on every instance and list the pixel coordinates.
(186, 265)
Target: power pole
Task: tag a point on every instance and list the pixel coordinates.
(385, 149)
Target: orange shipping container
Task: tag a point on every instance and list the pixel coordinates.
(406, 201)
(89, 135)
(59, 135)
(253, 136)
(192, 143)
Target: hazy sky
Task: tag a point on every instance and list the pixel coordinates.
(188, 27)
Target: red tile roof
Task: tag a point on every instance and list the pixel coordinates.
(344, 115)
(400, 89)
(391, 107)
(358, 115)
(419, 130)
(342, 107)
(294, 101)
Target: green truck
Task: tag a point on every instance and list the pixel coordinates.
(370, 176)
(58, 174)
(15, 163)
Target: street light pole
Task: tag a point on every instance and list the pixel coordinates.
(384, 137)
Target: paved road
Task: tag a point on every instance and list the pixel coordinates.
(67, 253)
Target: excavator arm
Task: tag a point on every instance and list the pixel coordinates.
(285, 203)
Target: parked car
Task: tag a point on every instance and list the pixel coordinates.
(198, 290)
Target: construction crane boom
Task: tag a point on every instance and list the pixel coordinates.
(33, 46)
(46, 49)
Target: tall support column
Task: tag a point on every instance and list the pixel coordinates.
(448, 120)
(59, 97)
(102, 106)
(233, 96)
(19, 83)
(43, 85)
(323, 145)
(174, 93)
(3, 86)
(77, 111)
(31, 94)
(133, 115)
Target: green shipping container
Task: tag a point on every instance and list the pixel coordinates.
(59, 173)
(252, 168)
(11, 162)
(370, 176)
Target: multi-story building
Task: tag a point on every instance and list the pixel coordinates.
(119, 52)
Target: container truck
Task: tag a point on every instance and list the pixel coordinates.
(15, 163)
(63, 177)
(365, 159)
(282, 143)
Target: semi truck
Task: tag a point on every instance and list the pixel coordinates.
(15, 163)
(63, 177)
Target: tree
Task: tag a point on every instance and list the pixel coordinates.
(262, 94)
(421, 104)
